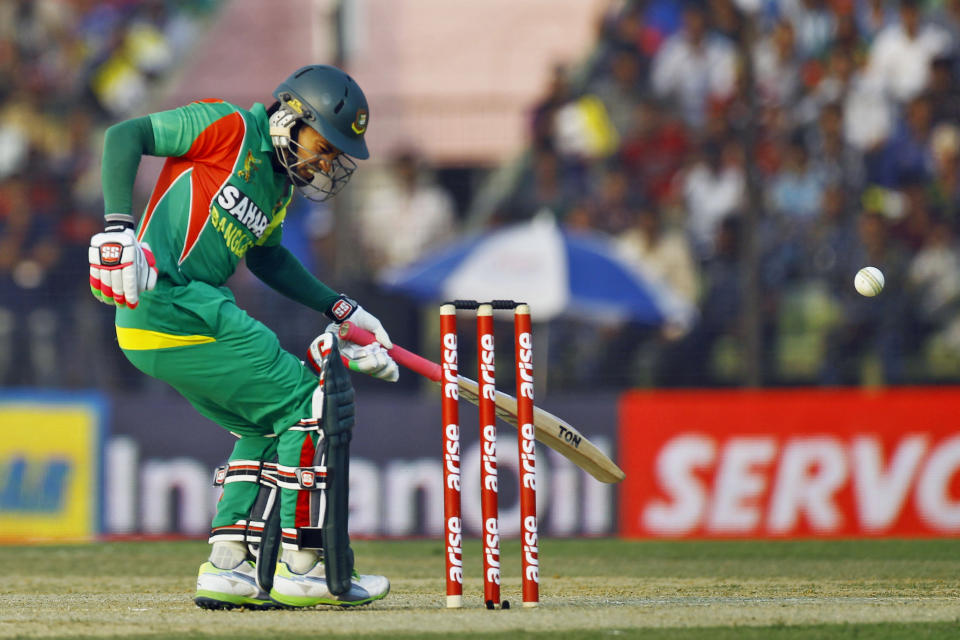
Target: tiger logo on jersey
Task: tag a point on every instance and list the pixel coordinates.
(250, 164)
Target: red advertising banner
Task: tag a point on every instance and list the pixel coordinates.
(784, 464)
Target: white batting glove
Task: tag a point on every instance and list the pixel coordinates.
(121, 268)
(345, 308)
(371, 359)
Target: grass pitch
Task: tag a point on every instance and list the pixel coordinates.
(594, 588)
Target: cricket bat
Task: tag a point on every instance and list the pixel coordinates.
(548, 428)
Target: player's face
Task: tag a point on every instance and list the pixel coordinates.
(318, 154)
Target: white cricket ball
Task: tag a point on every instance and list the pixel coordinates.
(868, 281)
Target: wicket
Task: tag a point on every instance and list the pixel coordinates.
(523, 343)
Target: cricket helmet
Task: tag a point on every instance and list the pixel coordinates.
(330, 101)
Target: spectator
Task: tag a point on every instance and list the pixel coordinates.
(832, 236)
(900, 56)
(777, 66)
(906, 155)
(405, 216)
(714, 187)
(832, 156)
(620, 91)
(29, 255)
(654, 149)
(912, 228)
(616, 200)
(944, 187)
(830, 87)
(627, 351)
(814, 24)
(934, 280)
(552, 183)
(664, 253)
(694, 67)
(543, 112)
(947, 15)
(944, 93)
(872, 16)
(797, 189)
(867, 113)
(869, 327)
(688, 362)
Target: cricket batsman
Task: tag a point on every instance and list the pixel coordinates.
(279, 537)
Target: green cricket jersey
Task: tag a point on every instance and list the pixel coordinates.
(217, 194)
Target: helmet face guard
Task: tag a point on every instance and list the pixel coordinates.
(323, 184)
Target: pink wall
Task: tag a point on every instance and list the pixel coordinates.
(455, 77)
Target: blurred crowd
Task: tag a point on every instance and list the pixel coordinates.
(835, 122)
(823, 133)
(68, 69)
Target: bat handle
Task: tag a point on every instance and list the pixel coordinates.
(408, 359)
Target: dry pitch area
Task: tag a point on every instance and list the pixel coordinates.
(589, 589)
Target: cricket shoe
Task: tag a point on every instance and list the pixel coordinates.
(231, 588)
(310, 589)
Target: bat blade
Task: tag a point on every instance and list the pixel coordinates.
(557, 434)
(548, 428)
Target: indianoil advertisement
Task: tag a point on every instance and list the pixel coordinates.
(51, 457)
(790, 464)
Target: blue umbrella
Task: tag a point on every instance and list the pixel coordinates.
(554, 270)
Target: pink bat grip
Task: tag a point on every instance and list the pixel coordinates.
(410, 360)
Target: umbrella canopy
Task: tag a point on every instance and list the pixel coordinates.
(553, 270)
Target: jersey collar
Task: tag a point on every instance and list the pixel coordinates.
(263, 126)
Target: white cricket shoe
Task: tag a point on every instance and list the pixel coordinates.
(230, 588)
(310, 588)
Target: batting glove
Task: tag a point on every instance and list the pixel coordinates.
(345, 307)
(121, 268)
(371, 359)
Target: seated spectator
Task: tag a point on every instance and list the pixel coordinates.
(934, 278)
(900, 56)
(552, 182)
(654, 149)
(620, 90)
(872, 17)
(831, 86)
(796, 191)
(694, 67)
(944, 186)
(912, 228)
(832, 156)
(616, 200)
(871, 327)
(713, 187)
(813, 22)
(687, 362)
(776, 65)
(944, 92)
(662, 252)
(406, 215)
(544, 110)
(868, 115)
(906, 155)
(831, 236)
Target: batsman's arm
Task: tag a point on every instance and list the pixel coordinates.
(548, 428)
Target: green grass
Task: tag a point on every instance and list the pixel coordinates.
(594, 588)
